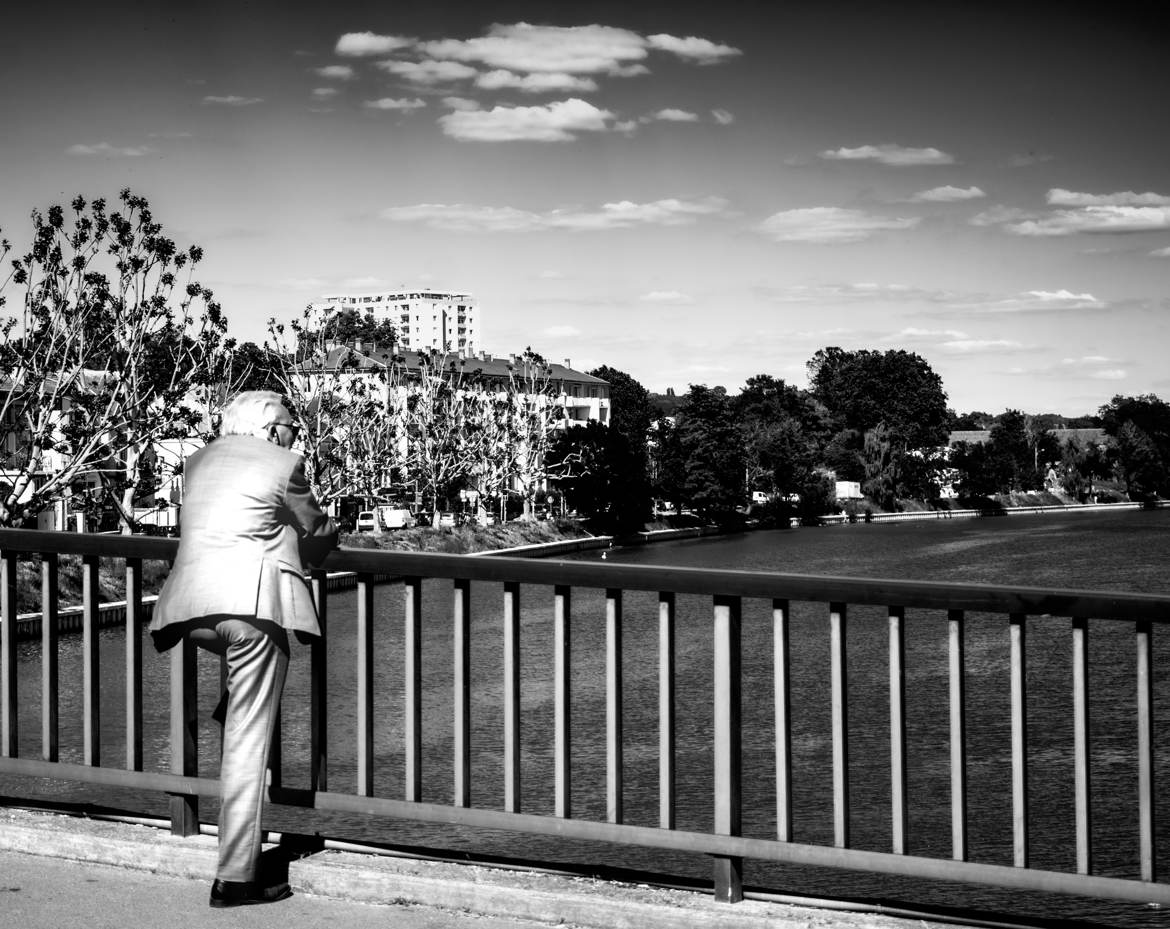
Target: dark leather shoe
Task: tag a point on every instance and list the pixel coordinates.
(246, 893)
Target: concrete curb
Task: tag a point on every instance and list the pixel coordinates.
(393, 881)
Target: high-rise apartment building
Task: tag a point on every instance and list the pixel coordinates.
(424, 319)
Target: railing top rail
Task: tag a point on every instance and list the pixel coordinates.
(1100, 604)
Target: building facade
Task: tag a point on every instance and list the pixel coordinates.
(426, 320)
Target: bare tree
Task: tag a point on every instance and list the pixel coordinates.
(113, 348)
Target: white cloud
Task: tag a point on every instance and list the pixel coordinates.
(1110, 374)
(325, 93)
(667, 297)
(866, 291)
(562, 332)
(390, 103)
(1161, 252)
(363, 283)
(1028, 159)
(894, 155)
(1086, 360)
(723, 117)
(460, 217)
(916, 333)
(592, 49)
(692, 48)
(336, 72)
(539, 83)
(672, 115)
(428, 72)
(1000, 214)
(948, 194)
(105, 149)
(554, 122)
(364, 44)
(232, 100)
(558, 49)
(1060, 197)
(1033, 301)
(1095, 220)
(830, 225)
(460, 103)
(978, 346)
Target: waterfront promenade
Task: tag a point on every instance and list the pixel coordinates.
(62, 872)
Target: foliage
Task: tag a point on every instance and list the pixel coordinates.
(780, 431)
(1140, 427)
(114, 348)
(713, 476)
(864, 388)
(599, 477)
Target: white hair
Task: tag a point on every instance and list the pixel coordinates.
(248, 413)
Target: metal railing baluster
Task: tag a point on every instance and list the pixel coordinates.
(840, 723)
(133, 664)
(91, 665)
(184, 736)
(728, 743)
(666, 713)
(1147, 849)
(957, 700)
(1019, 717)
(50, 671)
(512, 697)
(1081, 745)
(9, 741)
(899, 811)
(364, 733)
(782, 686)
(562, 686)
(412, 685)
(614, 811)
(461, 703)
(319, 689)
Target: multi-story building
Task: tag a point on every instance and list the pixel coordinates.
(426, 320)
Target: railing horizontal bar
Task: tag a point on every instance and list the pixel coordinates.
(674, 840)
(856, 591)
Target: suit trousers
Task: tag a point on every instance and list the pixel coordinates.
(257, 660)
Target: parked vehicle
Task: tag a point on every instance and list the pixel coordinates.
(447, 520)
(367, 521)
(394, 517)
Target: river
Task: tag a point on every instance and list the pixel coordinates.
(1124, 550)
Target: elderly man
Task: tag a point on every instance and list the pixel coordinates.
(237, 587)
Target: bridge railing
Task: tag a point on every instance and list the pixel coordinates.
(726, 592)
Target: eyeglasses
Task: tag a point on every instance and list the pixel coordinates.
(292, 427)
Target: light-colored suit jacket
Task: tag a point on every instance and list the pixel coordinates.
(249, 525)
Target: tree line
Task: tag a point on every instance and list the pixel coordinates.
(114, 347)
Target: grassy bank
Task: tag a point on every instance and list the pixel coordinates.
(466, 539)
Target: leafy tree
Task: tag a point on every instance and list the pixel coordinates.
(781, 429)
(668, 462)
(864, 388)
(631, 414)
(1081, 464)
(713, 479)
(114, 348)
(974, 421)
(1140, 427)
(349, 327)
(595, 462)
(1011, 453)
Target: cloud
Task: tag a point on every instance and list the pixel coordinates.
(1059, 197)
(592, 49)
(429, 71)
(1161, 252)
(551, 275)
(948, 194)
(364, 44)
(827, 225)
(672, 115)
(1027, 159)
(1095, 220)
(107, 150)
(557, 49)
(1087, 359)
(325, 93)
(303, 283)
(624, 214)
(893, 155)
(1033, 301)
(723, 117)
(980, 346)
(390, 103)
(539, 83)
(232, 100)
(667, 297)
(554, 122)
(864, 291)
(1000, 214)
(1110, 374)
(336, 72)
(363, 283)
(914, 333)
(562, 332)
(460, 103)
(692, 48)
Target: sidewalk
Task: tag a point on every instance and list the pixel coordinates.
(64, 871)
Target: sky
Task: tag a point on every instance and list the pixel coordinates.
(693, 193)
